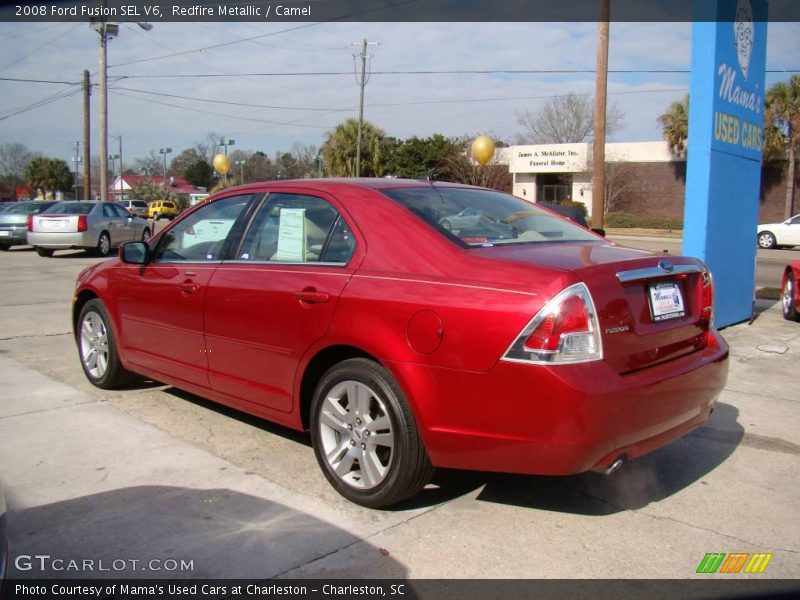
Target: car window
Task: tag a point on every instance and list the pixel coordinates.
(168, 205)
(296, 228)
(20, 208)
(120, 211)
(473, 217)
(71, 208)
(795, 220)
(108, 211)
(139, 203)
(201, 236)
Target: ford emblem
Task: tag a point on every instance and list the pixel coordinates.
(665, 265)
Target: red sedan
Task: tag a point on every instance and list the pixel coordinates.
(516, 341)
(790, 299)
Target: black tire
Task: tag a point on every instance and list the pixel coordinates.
(103, 244)
(89, 338)
(146, 235)
(4, 247)
(407, 466)
(44, 252)
(789, 296)
(766, 240)
(446, 225)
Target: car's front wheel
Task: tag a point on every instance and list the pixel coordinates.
(98, 348)
(789, 296)
(766, 240)
(365, 436)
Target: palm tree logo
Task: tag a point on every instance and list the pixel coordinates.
(743, 32)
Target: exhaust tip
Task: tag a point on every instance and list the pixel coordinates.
(612, 468)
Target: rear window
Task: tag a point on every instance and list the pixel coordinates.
(71, 208)
(473, 217)
(168, 205)
(27, 208)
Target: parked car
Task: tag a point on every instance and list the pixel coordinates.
(775, 235)
(790, 298)
(89, 225)
(5, 549)
(14, 222)
(135, 207)
(346, 308)
(162, 208)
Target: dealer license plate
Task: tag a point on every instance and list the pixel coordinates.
(5, 234)
(666, 301)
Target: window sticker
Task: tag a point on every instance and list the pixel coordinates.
(292, 235)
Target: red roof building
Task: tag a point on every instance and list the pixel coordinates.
(176, 185)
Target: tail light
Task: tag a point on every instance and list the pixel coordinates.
(565, 330)
(29, 223)
(707, 306)
(82, 224)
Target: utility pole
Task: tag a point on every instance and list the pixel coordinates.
(601, 88)
(103, 121)
(362, 82)
(76, 159)
(87, 158)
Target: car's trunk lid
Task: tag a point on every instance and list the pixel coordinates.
(56, 223)
(649, 306)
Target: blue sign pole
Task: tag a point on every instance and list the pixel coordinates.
(726, 136)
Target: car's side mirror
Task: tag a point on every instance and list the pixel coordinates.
(599, 231)
(134, 253)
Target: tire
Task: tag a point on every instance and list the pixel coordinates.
(97, 348)
(378, 430)
(446, 225)
(766, 240)
(146, 235)
(44, 252)
(4, 247)
(789, 296)
(103, 245)
(156, 217)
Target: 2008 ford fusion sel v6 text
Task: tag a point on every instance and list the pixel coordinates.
(512, 341)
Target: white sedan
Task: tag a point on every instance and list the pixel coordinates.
(775, 235)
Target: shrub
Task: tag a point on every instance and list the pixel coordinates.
(626, 220)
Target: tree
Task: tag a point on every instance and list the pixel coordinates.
(14, 157)
(675, 124)
(462, 169)
(184, 160)
(199, 174)
(152, 164)
(339, 150)
(259, 167)
(782, 130)
(49, 175)
(566, 120)
(150, 192)
(417, 157)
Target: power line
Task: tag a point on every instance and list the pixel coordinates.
(21, 80)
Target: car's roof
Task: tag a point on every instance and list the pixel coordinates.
(375, 183)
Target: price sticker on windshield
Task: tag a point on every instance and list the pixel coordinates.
(666, 301)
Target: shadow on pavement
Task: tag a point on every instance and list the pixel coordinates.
(226, 534)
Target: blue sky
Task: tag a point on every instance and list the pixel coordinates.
(402, 105)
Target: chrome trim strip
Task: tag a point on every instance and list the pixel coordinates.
(638, 274)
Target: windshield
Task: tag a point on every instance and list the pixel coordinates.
(475, 217)
(71, 208)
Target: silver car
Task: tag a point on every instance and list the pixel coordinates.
(14, 222)
(89, 225)
(135, 207)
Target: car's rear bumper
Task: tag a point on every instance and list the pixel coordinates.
(60, 241)
(13, 236)
(564, 419)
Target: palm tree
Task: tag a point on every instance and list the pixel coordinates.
(339, 150)
(675, 123)
(782, 130)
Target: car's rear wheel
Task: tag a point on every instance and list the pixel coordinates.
(4, 247)
(104, 244)
(146, 235)
(766, 240)
(44, 252)
(365, 437)
(98, 348)
(789, 296)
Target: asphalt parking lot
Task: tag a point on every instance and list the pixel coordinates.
(151, 473)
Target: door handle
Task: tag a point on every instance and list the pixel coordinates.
(312, 297)
(189, 288)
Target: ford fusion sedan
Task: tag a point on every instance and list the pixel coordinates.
(775, 235)
(88, 225)
(14, 222)
(517, 342)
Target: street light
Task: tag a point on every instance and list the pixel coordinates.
(165, 151)
(106, 31)
(225, 143)
(119, 139)
(241, 164)
(112, 158)
(77, 160)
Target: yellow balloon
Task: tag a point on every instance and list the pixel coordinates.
(482, 150)
(221, 164)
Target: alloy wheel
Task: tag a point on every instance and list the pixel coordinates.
(94, 344)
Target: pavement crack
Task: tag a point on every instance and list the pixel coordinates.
(50, 409)
(41, 335)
